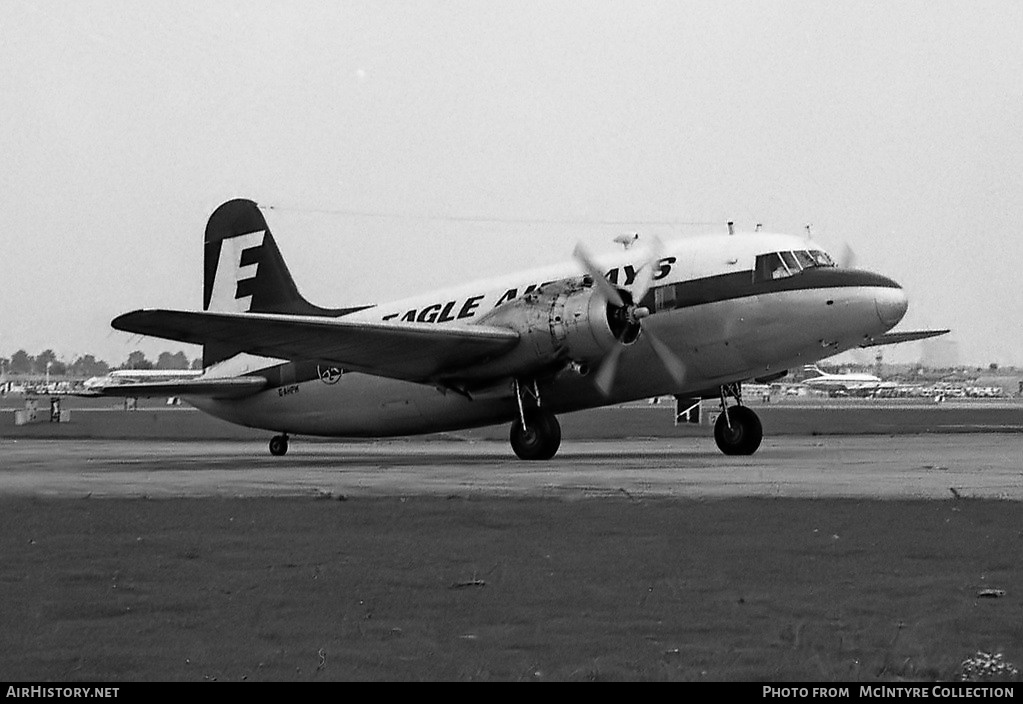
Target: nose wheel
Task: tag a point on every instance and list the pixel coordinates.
(279, 445)
(740, 434)
(738, 430)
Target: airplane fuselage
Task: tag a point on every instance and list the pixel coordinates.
(711, 301)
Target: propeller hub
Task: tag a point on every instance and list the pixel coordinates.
(625, 317)
(637, 313)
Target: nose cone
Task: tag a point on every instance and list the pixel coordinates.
(891, 305)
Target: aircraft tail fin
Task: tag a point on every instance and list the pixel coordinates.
(245, 272)
(243, 268)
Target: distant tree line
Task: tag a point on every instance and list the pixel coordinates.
(21, 362)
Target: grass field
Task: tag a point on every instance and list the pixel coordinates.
(506, 589)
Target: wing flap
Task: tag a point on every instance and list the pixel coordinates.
(411, 351)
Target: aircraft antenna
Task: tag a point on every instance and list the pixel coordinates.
(731, 227)
(441, 217)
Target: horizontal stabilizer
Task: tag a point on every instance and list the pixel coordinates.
(231, 387)
(891, 338)
(399, 350)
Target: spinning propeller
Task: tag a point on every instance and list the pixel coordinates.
(626, 316)
(847, 259)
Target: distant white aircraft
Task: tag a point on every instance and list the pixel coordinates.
(693, 317)
(852, 382)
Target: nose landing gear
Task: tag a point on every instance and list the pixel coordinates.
(738, 430)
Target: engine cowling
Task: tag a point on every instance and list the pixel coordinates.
(566, 321)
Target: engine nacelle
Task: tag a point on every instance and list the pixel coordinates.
(566, 321)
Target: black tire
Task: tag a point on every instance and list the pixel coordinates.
(539, 440)
(744, 435)
(279, 445)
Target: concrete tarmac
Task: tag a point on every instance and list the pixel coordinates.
(907, 466)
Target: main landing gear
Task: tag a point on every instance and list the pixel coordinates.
(279, 445)
(737, 430)
(536, 433)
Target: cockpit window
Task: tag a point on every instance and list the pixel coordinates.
(805, 260)
(770, 266)
(779, 265)
(821, 258)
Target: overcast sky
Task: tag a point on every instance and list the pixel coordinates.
(379, 129)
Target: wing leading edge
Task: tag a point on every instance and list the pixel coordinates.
(892, 338)
(399, 350)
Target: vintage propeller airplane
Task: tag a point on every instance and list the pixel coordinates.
(693, 318)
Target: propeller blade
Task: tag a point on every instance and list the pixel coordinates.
(605, 377)
(609, 292)
(669, 359)
(848, 258)
(645, 275)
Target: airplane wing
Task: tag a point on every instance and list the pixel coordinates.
(232, 387)
(400, 350)
(891, 338)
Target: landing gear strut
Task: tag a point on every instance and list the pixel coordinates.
(279, 445)
(738, 430)
(536, 433)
